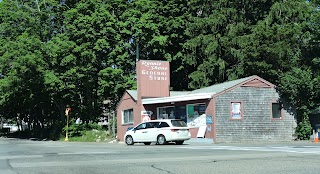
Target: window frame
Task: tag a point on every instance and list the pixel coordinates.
(241, 110)
(194, 105)
(281, 110)
(123, 115)
(189, 119)
(158, 111)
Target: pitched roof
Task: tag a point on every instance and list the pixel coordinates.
(133, 94)
(202, 93)
(217, 88)
(178, 93)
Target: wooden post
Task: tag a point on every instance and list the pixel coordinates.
(67, 127)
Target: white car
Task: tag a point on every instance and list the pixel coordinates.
(158, 131)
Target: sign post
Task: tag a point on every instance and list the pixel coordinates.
(67, 127)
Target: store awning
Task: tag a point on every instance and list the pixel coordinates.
(179, 98)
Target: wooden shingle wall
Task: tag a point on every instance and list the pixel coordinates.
(257, 123)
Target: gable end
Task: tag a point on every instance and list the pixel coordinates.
(257, 83)
(125, 97)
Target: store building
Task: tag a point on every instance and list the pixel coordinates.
(247, 109)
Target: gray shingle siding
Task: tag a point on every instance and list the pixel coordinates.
(257, 124)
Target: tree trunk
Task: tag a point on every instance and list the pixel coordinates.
(1, 123)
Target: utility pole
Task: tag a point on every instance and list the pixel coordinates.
(1, 123)
(137, 50)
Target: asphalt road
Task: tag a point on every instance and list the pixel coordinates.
(33, 157)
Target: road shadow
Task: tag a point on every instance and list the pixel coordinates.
(28, 135)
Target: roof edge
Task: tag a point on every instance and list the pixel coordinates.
(126, 91)
(259, 78)
(250, 78)
(133, 97)
(179, 98)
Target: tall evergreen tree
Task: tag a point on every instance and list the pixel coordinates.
(218, 31)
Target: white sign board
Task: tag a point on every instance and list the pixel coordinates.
(201, 131)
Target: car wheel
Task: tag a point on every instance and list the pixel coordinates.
(161, 140)
(147, 143)
(179, 142)
(129, 140)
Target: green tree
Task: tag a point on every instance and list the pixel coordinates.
(277, 41)
(25, 27)
(218, 32)
(157, 28)
(299, 88)
(102, 62)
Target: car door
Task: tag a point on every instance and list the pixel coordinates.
(151, 134)
(164, 128)
(139, 132)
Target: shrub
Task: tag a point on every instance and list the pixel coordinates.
(92, 136)
(78, 130)
(304, 129)
(75, 129)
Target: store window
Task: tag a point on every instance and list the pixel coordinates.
(166, 112)
(181, 113)
(196, 115)
(276, 111)
(127, 116)
(236, 110)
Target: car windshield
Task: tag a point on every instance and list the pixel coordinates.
(178, 123)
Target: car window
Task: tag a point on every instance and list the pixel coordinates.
(178, 123)
(152, 124)
(141, 126)
(163, 124)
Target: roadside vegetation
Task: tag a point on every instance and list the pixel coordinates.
(58, 54)
(91, 132)
(83, 132)
(91, 136)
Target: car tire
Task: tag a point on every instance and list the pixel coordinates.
(147, 143)
(161, 140)
(179, 142)
(129, 140)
